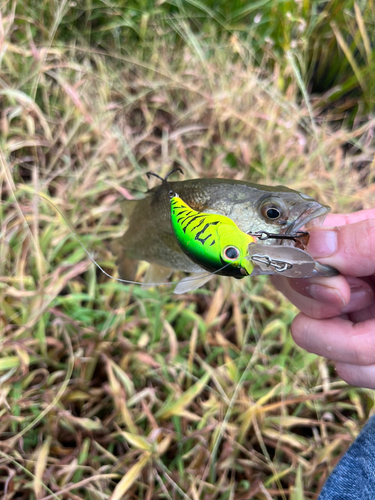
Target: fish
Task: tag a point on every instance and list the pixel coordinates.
(254, 208)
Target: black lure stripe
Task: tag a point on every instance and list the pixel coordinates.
(198, 225)
(189, 216)
(190, 221)
(203, 240)
(193, 216)
(184, 217)
(183, 213)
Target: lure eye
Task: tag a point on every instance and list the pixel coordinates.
(231, 253)
(271, 211)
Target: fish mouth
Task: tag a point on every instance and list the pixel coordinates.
(313, 216)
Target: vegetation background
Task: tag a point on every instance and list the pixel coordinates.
(110, 391)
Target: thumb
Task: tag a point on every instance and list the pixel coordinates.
(350, 248)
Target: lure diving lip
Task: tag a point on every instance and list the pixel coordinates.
(290, 262)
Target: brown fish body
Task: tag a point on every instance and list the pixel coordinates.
(150, 235)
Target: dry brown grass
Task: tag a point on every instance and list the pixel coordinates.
(112, 391)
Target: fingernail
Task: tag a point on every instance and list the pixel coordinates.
(325, 294)
(323, 243)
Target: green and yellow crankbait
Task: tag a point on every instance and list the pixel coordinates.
(212, 241)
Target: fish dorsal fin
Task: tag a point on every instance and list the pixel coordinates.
(127, 207)
(192, 282)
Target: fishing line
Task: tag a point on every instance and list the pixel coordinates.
(107, 274)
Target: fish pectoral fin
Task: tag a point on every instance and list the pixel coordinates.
(192, 282)
(127, 207)
(156, 274)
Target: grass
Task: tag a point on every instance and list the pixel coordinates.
(332, 40)
(113, 391)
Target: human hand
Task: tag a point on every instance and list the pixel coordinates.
(338, 314)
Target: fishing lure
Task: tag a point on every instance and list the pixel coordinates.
(210, 240)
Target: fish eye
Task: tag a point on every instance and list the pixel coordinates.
(231, 253)
(271, 211)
